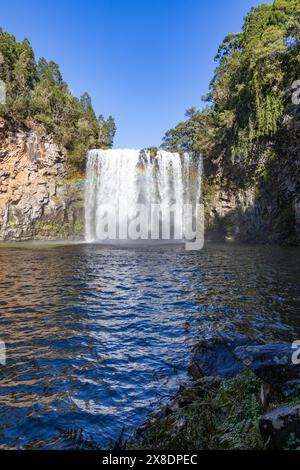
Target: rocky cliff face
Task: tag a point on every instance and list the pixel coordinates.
(265, 206)
(35, 199)
(247, 215)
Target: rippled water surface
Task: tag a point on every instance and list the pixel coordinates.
(97, 336)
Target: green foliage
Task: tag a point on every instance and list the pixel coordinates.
(195, 134)
(255, 69)
(214, 414)
(107, 131)
(237, 412)
(39, 99)
(221, 417)
(209, 190)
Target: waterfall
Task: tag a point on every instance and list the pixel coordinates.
(125, 178)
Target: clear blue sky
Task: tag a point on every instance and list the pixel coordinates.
(143, 61)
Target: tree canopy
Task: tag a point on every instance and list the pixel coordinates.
(247, 96)
(39, 99)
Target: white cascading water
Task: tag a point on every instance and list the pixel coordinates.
(124, 178)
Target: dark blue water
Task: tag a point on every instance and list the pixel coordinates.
(96, 337)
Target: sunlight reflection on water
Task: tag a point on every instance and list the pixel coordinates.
(96, 336)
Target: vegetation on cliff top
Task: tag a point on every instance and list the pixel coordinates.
(244, 113)
(39, 99)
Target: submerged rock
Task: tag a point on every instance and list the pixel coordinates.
(272, 363)
(281, 427)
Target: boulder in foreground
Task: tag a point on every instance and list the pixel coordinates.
(281, 428)
(214, 356)
(272, 363)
